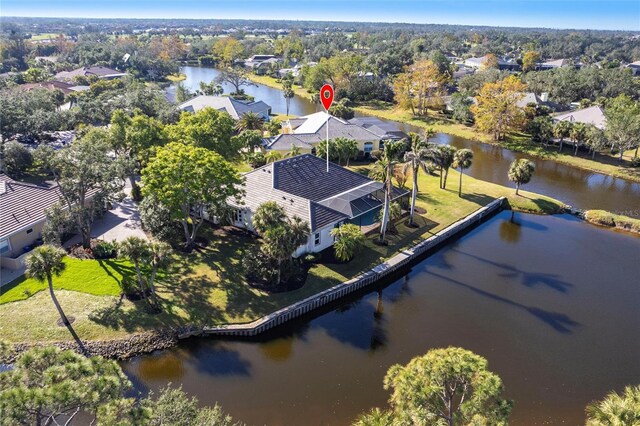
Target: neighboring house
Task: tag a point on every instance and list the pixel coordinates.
(557, 63)
(235, 108)
(295, 71)
(307, 132)
(462, 71)
(22, 217)
(103, 73)
(64, 87)
(447, 101)
(593, 115)
(634, 67)
(542, 100)
(261, 63)
(481, 62)
(302, 186)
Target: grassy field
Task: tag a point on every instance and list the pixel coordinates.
(44, 36)
(272, 82)
(603, 163)
(208, 286)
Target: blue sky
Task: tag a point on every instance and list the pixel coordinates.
(590, 14)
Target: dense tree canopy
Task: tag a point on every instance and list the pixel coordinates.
(191, 182)
(207, 128)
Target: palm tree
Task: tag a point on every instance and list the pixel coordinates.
(521, 172)
(348, 239)
(295, 150)
(616, 409)
(375, 417)
(268, 215)
(383, 171)
(250, 121)
(159, 253)
(135, 249)
(561, 130)
(288, 93)
(462, 160)
(578, 134)
(282, 239)
(443, 157)
(272, 156)
(418, 157)
(43, 263)
(346, 148)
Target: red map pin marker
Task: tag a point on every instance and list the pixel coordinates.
(326, 96)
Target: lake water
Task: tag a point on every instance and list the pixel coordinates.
(550, 301)
(576, 187)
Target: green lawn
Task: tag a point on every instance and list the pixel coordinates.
(44, 36)
(97, 277)
(603, 163)
(207, 286)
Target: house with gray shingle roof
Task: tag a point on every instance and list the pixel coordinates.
(307, 132)
(22, 217)
(539, 101)
(304, 188)
(235, 108)
(103, 73)
(593, 115)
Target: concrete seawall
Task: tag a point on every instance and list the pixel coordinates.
(400, 260)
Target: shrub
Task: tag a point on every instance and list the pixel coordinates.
(256, 160)
(311, 258)
(105, 250)
(259, 267)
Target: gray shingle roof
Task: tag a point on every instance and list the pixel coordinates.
(303, 188)
(306, 176)
(98, 71)
(285, 141)
(23, 204)
(233, 107)
(593, 115)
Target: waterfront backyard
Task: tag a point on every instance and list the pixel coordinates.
(207, 286)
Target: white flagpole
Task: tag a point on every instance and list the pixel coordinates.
(328, 116)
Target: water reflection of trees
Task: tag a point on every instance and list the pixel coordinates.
(378, 331)
(510, 230)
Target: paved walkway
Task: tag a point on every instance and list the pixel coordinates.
(117, 224)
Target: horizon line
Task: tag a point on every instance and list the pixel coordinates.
(319, 21)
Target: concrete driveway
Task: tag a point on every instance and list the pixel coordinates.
(117, 224)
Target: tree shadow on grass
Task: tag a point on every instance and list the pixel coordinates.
(479, 199)
(126, 272)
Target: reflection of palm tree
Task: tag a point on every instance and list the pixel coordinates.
(510, 231)
(278, 349)
(378, 338)
(42, 264)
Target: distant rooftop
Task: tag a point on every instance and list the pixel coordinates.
(231, 106)
(593, 115)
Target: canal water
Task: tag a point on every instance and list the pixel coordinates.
(550, 301)
(576, 187)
